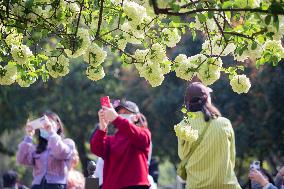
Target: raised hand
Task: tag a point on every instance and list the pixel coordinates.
(257, 176)
(29, 130)
(109, 113)
(103, 123)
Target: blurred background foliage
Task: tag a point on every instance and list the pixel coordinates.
(257, 117)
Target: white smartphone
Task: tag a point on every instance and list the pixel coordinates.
(38, 123)
(255, 165)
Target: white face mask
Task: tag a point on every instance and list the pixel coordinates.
(129, 117)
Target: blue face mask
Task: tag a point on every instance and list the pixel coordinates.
(44, 134)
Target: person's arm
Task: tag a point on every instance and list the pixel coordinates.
(25, 152)
(60, 149)
(98, 143)
(279, 178)
(139, 136)
(269, 186)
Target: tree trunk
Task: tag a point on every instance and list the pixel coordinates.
(83, 154)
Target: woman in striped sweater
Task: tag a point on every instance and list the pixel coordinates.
(208, 161)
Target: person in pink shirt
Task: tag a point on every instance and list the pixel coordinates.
(50, 157)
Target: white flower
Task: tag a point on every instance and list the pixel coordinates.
(95, 55)
(95, 73)
(153, 74)
(158, 53)
(187, 67)
(171, 37)
(14, 38)
(8, 74)
(21, 53)
(25, 81)
(166, 66)
(134, 12)
(121, 44)
(210, 24)
(209, 71)
(240, 84)
(58, 67)
(83, 35)
(186, 132)
(217, 47)
(142, 55)
(275, 47)
(132, 35)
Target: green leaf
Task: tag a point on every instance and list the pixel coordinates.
(276, 22)
(228, 4)
(184, 110)
(254, 45)
(175, 19)
(175, 7)
(202, 18)
(267, 19)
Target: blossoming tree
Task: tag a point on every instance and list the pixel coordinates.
(39, 37)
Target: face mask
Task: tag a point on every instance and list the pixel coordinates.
(127, 116)
(44, 134)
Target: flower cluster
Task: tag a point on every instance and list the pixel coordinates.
(186, 132)
(8, 74)
(84, 39)
(95, 55)
(14, 38)
(240, 84)
(171, 37)
(273, 48)
(25, 80)
(95, 73)
(187, 67)
(135, 13)
(215, 47)
(209, 71)
(21, 53)
(153, 64)
(58, 66)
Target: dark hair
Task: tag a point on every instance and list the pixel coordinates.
(9, 179)
(142, 121)
(265, 173)
(42, 142)
(201, 104)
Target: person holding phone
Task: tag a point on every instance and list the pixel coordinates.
(126, 153)
(51, 157)
(260, 179)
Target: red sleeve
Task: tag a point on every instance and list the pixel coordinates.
(139, 136)
(99, 143)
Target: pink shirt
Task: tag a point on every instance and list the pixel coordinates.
(53, 163)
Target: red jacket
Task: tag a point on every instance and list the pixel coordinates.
(125, 154)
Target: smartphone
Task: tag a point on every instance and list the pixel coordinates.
(38, 123)
(255, 165)
(105, 101)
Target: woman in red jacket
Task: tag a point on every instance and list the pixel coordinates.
(126, 153)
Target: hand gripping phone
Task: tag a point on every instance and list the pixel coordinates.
(105, 101)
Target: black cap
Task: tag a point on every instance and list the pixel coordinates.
(9, 179)
(130, 106)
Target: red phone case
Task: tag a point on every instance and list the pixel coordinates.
(105, 101)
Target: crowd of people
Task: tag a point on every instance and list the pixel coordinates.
(206, 147)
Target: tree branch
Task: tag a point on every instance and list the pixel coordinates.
(100, 18)
(157, 10)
